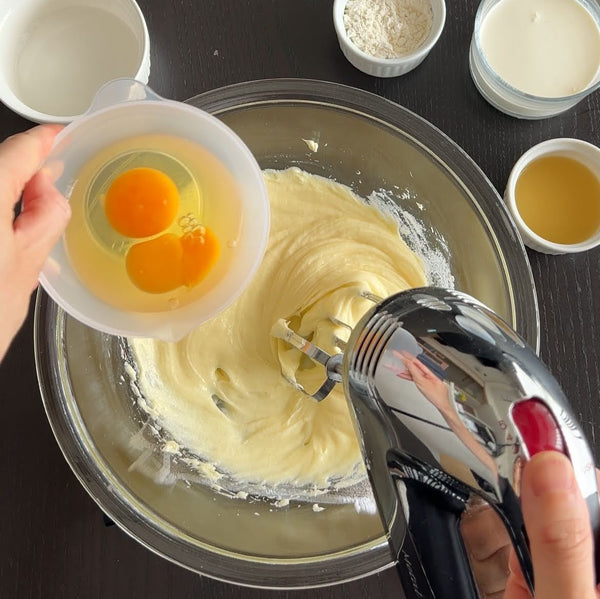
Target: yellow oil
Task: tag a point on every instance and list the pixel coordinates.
(208, 195)
(559, 199)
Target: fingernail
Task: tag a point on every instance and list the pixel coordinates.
(550, 472)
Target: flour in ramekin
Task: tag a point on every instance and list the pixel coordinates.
(388, 28)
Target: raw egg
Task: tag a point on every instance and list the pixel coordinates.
(156, 265)
(141, 202)
(207, 196)
(200, 252)
(167, 262)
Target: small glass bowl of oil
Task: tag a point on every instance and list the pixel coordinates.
(553, 193)
(170, 215)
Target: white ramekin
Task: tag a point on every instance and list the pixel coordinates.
(387, 67)
(582, 151)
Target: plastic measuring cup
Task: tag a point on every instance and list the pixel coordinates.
(122, 109)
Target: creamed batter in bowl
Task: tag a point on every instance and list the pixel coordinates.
(220, 392)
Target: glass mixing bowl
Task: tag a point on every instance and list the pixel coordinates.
(367, 143)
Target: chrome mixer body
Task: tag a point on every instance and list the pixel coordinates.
(448, 403)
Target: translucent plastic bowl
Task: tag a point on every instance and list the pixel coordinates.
(367, 143)
(125, 109)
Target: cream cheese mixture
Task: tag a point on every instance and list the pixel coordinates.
(220, 392)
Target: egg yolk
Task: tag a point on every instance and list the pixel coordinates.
(200, 252)
(141, 202)
(167, 262)
(156, 266)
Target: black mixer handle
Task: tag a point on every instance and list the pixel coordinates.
(432, 562)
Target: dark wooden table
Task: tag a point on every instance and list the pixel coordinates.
(53, 542)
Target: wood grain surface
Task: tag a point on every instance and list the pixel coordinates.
(53, 542)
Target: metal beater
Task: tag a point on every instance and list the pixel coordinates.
(448, 401)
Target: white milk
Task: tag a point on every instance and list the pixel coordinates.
(68, 54)
(548, 48)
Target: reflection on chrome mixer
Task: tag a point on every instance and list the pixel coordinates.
(448, 401)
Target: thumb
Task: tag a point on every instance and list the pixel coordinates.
(558, 526)
(42, 220)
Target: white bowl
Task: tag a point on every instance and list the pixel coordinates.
(56, 54)
(582, 151)
(387, 67)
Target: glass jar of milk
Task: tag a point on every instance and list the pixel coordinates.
(536, 58)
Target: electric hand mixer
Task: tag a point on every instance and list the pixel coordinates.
(448, 402)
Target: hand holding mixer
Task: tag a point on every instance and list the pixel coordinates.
(448, 402)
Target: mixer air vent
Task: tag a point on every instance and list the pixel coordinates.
(371, 343)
